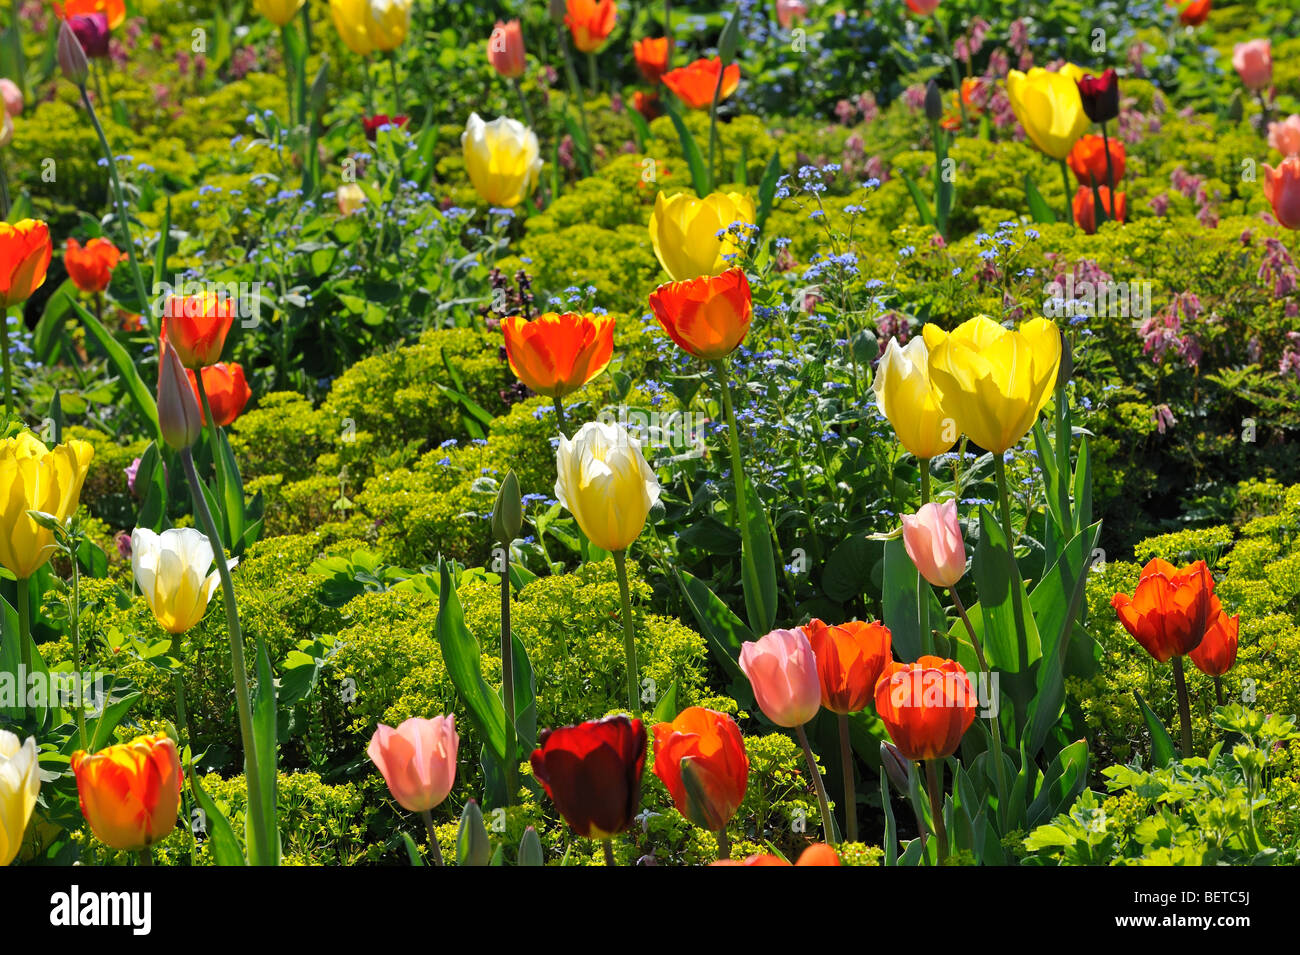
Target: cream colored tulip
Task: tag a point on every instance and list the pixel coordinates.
(350, 197)
(174, 573)
(20, 782)
(503, 158)
(604, 481)
(905, 396)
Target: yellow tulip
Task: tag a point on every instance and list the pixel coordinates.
(174, 573)
(351, 19)
(33, 478)
(684, 232)
(503, 158)
(388, 23)
(350, 198)
(905, 396)
(1049, 107)
(19, 785)
(993, 381)
(279, 12)
(602, 478)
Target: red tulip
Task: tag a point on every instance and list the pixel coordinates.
(1217, 652)
(701, 759)
(1085, 210)
(1100, 96)
(1282, 189)
(197, 326)
(592, 772)
(227, 390)
(696, 83)
(850, 659)
(1088, 160)
(816, 854)
(1170, 610)
(708, 316)
(1195, 13)
(927, 706)
(652, 57)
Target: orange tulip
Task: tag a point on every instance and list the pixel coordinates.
(1088, 160)
(701, 759)
(197, 327)
(227, 390)
(652, 57)
(1194, 13)
(927, 706)
(25, 251)
(556, 354)
(1085, 211)
(91, 267)
(113, 10)
(1282, 190)
(850, 659)
(972, 91)
(1217, 651)
(696, 82)
(708, 316)
(130, 792)
(817, 854)
(591, 22)
(1170, 610)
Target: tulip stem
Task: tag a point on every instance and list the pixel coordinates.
(724, 844)
(749, 569)
(523, 102)
(397, 87)
(252, 774)
(146, 857)
(932, 767)
(559, 412)
(1013, 575)
(713, 124)
(4, 191)
(24, 595)
(629, 631)
(1218, 690)
(508, 682)
(846, 768)
(593, 72)
(1069, 207)
(922, 587)
(609, 852)
(74, 628)
(119, 197)
(435, 850)
(1184, 707)
(1110, 169)
(828, 821)
(8, 362)
(994, 723)
(952, 69)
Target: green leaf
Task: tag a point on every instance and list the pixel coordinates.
(231, 488)
(767, 189)
(757, 562)
(221, 836)
(1162, 745)
(141, 396)
(640, 129)
(160, 250)
(265, 743)
(667, 708)
(722, 628)
(1039, 210)
(412, 851)
(1063, 780)
(151, 487)
(472, 844)
(730, 37)
(49, 330)
(461, 655)
(530, 849)
(694, 160)
(918, 199)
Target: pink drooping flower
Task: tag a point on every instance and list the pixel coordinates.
(1254, 63)
(782, 670)
(933, 540)
(417, 760)
(1285, 136)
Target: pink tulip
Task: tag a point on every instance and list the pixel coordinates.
(933, 540)
(1282, 190)
(506, 50)
(1285, 136)
(788, 12)
(417, 760)
(12, 96)
(1254, 63)
(782, 669)
(923, 7)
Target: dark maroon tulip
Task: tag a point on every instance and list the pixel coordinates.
(592, 772)
(373, 123)
(1100, 95)
(92, 30)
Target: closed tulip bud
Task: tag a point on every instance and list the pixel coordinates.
(71, 57)
(130, 793)
(279, 12)
(933, 102)
(1282, 190)
(20, 784)
(1066, 370)
(174, 573)
(926, 706)
(508, 511)
(178, 410)
(1170, 610)
(850, 658)
(503, 158)
(603, 480)
(592, 772)
(1100, 96)
(933, 540)
(417, 760)
(1049, 108)
(896, 765)
(700, 757)
(1217, 651)
(690, 236)
(993, 381)
(782, 670)
(506, 50)
(34, 478)
(473, 847)
(709, 316)
(12, 97)
(1236, 107)
(906, 397)
(530, 849)
(351, 198)
(1253, 62)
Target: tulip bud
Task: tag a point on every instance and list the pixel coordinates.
(72, 58)
(530, 848)
(895, 765)
(178, 410)
(1235, 107)
(507, 513)
(933, 102)
(1066, 370)
(472, 844)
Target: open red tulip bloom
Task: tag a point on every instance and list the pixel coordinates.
(1170, 610)
(592, 772)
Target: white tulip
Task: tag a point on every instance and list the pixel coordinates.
(174, 572)
(20, 782)
(604, 481)
(503, 159)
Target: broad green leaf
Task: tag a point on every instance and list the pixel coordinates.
(1162, 745)
(141, 396)
(1039, 210)
(722, 628)
(221, 836)
(461, 655)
